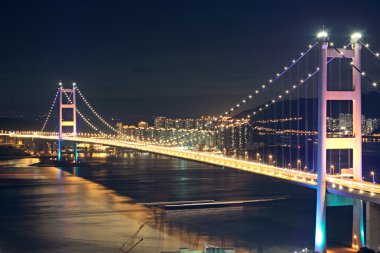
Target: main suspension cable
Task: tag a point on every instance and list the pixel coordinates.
(93, 110)
(81, 115)
(278, 76)
(287, 92)
(51, 109)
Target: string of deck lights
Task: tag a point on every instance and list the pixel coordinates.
(286, 131)
(81, 115)
(51, 109)
(276, 120)
(93, 110)
(270, 81)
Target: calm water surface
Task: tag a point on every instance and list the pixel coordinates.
(96, 208)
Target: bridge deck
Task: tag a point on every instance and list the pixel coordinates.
(342, 186)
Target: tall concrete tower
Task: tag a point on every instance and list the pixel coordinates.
(325, 143)
(67, 100)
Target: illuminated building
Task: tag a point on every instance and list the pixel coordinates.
(332, 124)
(345, 122)
(169, 123)
(119, 127)
(368, 125)
(189, 123)
(179, 124)
(200, 123)
(142, 124)
(159, 122)
(205, 133)
(242, 137)
(371, 126)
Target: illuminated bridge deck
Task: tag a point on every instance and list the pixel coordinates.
(342, 186)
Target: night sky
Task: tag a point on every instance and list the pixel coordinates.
(174, 58)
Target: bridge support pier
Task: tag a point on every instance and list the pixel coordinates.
(358, 240)
(75, 152)
(320, 223)
(59, 149)
(373, 226)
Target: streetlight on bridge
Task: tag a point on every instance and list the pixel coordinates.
(332, 169)
(299, 164)
(373, 176)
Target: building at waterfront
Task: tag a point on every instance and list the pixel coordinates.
(143, 124)
(159, 122)
(169, 123)
(333, 124)
(119, 127)
(345, 124)
(205, 133)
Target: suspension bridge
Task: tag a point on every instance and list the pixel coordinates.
(320, 90)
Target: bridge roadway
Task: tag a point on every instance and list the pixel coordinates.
(341, 186)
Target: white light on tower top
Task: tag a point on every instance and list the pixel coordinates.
(356, 36)
(322, 34)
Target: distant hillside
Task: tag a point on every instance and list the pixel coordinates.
(370, 108)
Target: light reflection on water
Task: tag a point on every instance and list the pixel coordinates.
(62, 213)
(93, 208)
(18, 162)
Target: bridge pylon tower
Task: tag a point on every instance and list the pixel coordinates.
(67, 102)
(325, 143)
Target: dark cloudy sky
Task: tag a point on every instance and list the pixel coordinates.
(175, 58)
